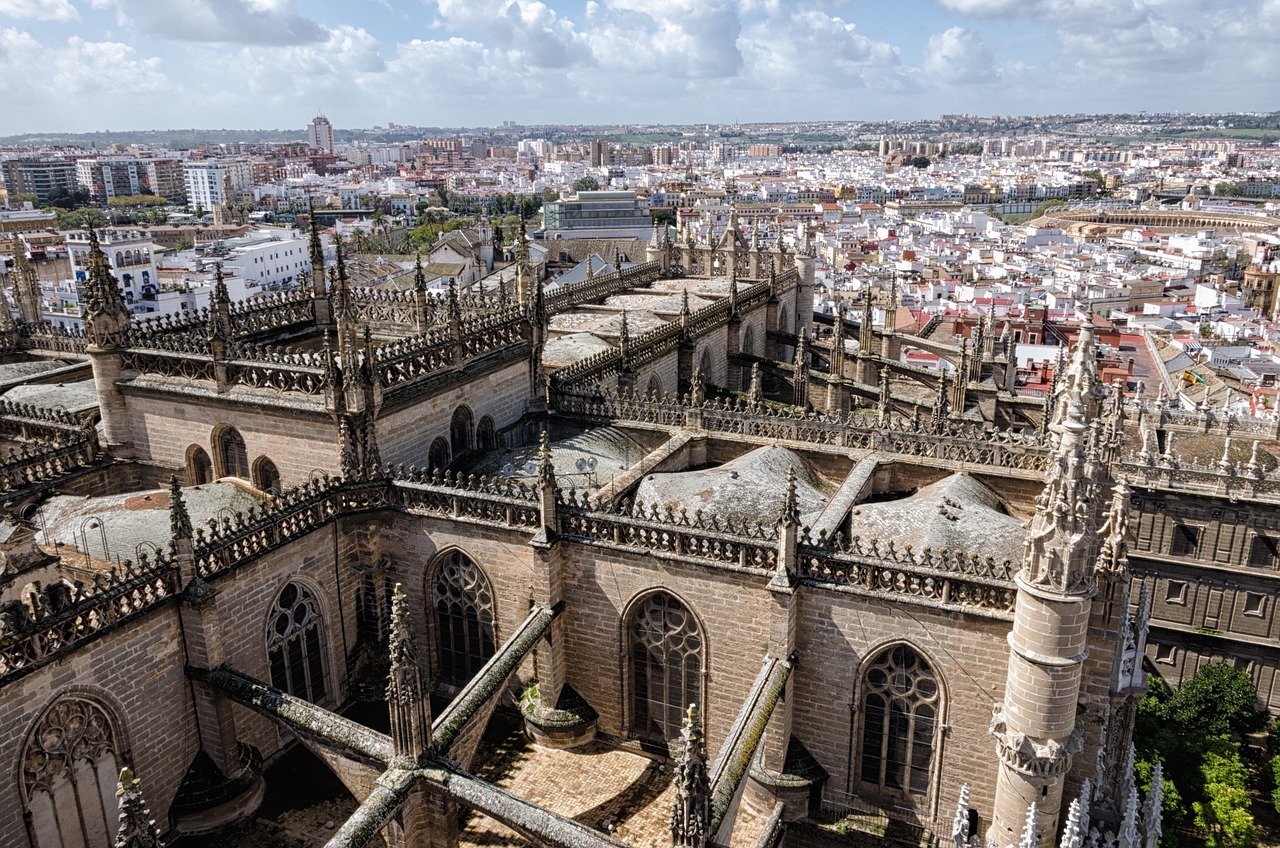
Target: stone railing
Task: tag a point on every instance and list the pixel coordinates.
(497, 501)
(47, 462)
(295, 513)
(27, 421)
(659, 529)
(437, 350)
(35, 631)
(1229, 481)
(397, 311)
(187, 365)
(605, 285)
(46, 337)
(1211, 421)
(275, 312)
(938, 576)
(650, 346)
(955, 441)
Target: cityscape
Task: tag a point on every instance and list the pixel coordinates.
(558, 468)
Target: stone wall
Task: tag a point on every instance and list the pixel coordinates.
(296, 440)
(839, 633)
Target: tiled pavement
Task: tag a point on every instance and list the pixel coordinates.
(619, 792)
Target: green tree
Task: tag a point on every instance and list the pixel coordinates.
(586, 184)
(1219, 700)
(921, 162)
(1228, 189)
(183, 243)
(1224, 813)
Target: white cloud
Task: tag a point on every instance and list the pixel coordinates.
(672, 39)
(275, 22)
(40, 10)
(959, 57)
(544, 39)
(95, 83)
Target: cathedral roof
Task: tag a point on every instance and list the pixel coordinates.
(750, 487)
(603, 451)
(957, 513)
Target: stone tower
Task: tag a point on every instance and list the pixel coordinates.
(106, 324)
(26, 286)
(1036, 729)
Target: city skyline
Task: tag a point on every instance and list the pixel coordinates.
(85, 65)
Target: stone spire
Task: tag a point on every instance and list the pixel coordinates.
(691, 813)
(1082, 373)
(1113, 559)
(733, 290)
(407, 696)
(755, 394)
(179, 518)
(885, 398)
(106, 317)
(1035, 729)
(801, 383)
(1030, 836)
(136, 829)
(319, 288)
(26, 286)
(1152, 807)
(220, 331)
(960, 823)
(790, 516)
(624, 342)
(546, 487)
(685, 314)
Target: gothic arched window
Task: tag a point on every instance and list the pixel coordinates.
(463, 603)
(295, 644)
(901, 701)
(748, 343)
(655, 387)
(460, 430)
(665, 647)
(233, 458)
(438, 454)
(265, 475)
(199, 466)
(69, 770)
(486, 437)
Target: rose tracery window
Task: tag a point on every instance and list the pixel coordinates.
(294, 644)
(463, 605)
(900, 705)
(69, 772)
(666, 665)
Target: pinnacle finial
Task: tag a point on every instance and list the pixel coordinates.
(179, 518)
(790, 504)
(408, 698)
(136, 829)
(691, 813)
(546, 469)
(1030, 835)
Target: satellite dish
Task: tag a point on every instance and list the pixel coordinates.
(592, 462)
(530, 468)
(580, 464)
(508, 469)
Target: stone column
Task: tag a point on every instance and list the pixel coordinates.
(557, 716)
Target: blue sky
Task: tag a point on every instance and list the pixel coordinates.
(83, 65)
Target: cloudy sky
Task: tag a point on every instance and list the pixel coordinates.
(83, 65)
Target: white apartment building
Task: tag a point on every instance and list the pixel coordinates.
(207, 181)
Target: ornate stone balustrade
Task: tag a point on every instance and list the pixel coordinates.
(63, 617)
(941, 576)
(659, 341)
(398, 310)
(1231, 481)
(47, 338)
(1211, 421)
(187, 366)
(498, 501)
(605, 285)
(956, 441)
(655, 529)
(293, 514)
(47, 462)
(276, 312)
(27, 421)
